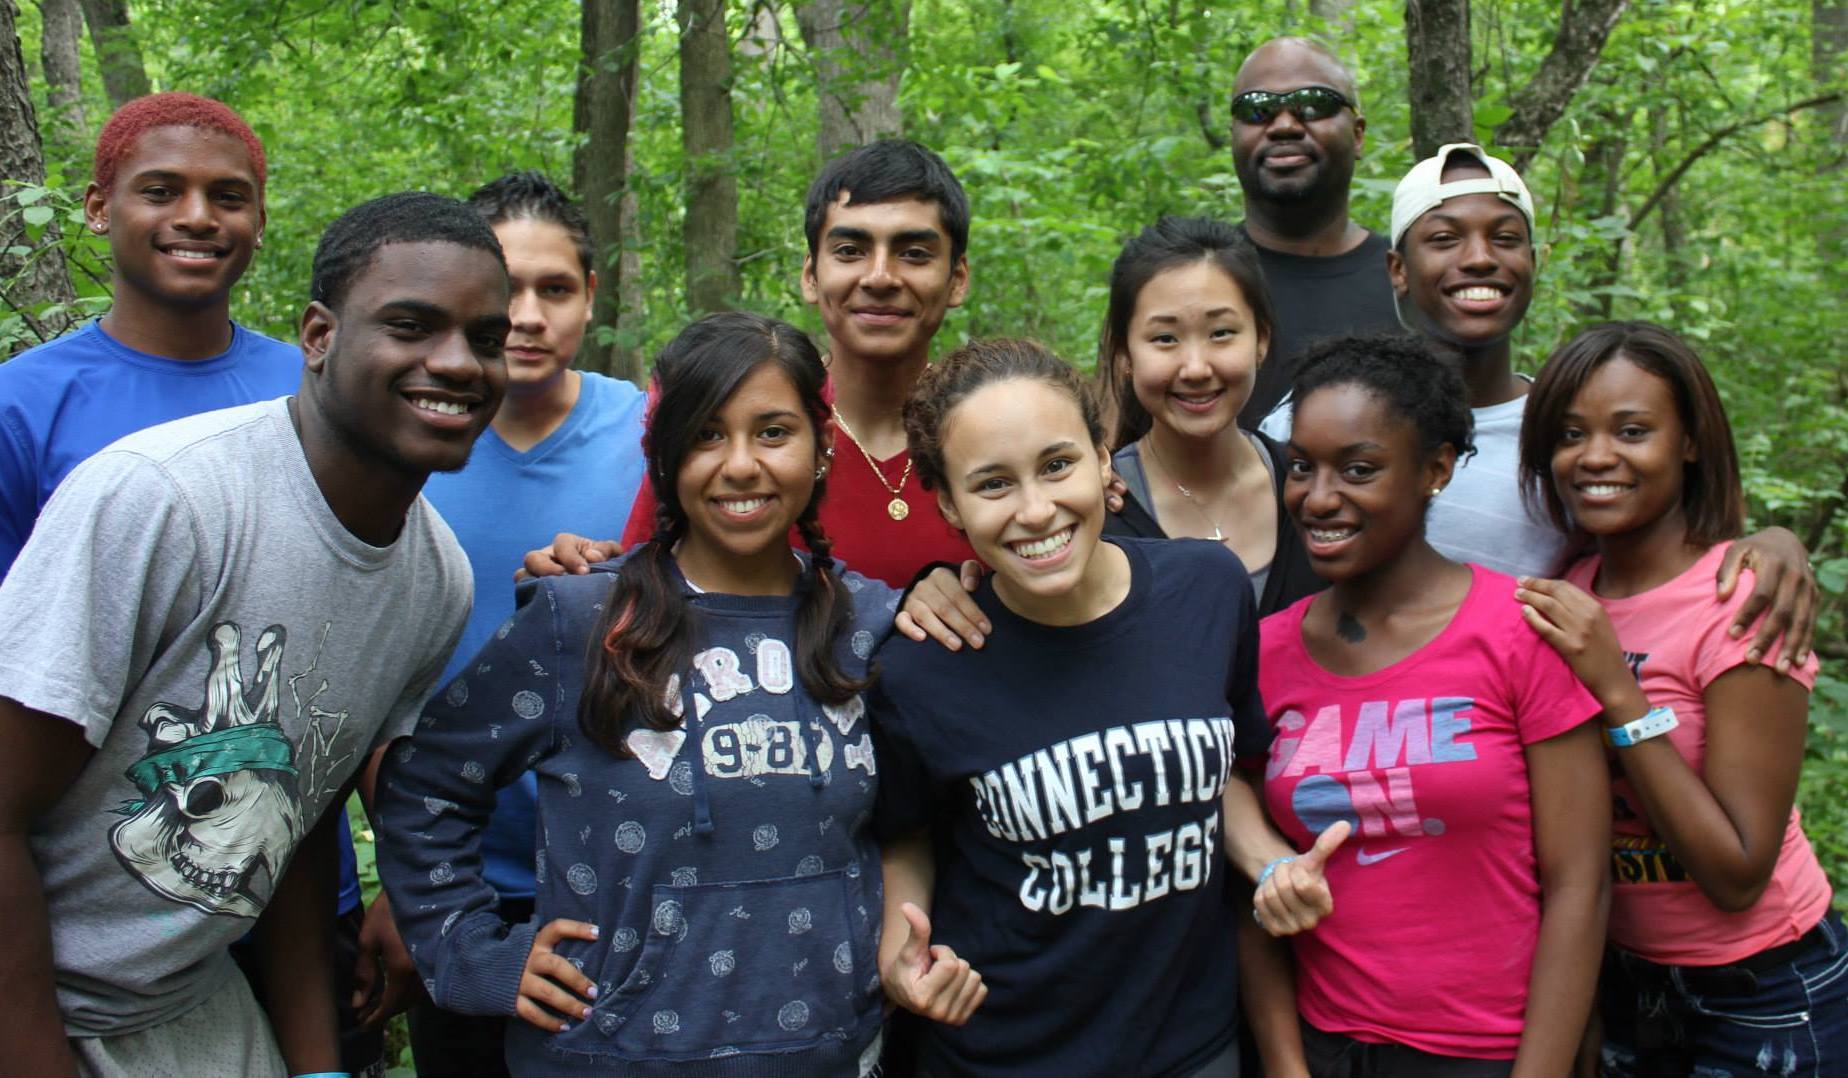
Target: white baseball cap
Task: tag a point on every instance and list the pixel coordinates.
(1423, 189)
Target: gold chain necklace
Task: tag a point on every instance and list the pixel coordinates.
(896, 508)
(1218, 535)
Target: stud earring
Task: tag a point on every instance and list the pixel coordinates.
(1435, 491)
(97, 227)
(820, 471)
(259, 244)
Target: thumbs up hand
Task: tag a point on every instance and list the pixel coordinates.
(928, 980)
(1294, 897)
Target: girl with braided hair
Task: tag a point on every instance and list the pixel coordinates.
(708, 886)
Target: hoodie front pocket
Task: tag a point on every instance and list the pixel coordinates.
(765, 965)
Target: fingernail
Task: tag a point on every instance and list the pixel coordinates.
(595, 932)
(587, 1012)
(1753, 655)
(976, 640)
(1735, 631)
(564, 1027)
(592, 993)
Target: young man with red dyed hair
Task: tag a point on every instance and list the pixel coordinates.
(177, 187)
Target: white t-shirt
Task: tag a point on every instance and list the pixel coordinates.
(1480, 516)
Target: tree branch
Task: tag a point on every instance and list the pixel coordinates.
(1584, 26)
(1203, 108)
(1712, 141)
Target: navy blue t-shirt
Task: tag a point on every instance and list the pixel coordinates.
(1071, 777)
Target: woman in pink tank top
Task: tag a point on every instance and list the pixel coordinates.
(1725, 957)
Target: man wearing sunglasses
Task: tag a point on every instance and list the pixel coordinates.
(1296, 130)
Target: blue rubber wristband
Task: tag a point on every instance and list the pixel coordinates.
(326, 1074)
(1272, 867)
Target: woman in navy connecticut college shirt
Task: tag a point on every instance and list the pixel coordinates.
(1052, 816)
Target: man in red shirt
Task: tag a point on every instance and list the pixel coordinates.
(888, 232)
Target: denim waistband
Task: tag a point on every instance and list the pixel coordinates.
(1825, 934)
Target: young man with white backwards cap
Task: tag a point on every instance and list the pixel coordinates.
(1462, 268)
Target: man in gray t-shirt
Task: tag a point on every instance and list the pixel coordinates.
(214, 624)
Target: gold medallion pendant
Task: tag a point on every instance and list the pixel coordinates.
(897, 508)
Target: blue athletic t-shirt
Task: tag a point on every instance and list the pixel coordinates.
(1071, 779)
(582, 478)
(65, 399)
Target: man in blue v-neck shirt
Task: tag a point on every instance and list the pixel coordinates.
(563, 455)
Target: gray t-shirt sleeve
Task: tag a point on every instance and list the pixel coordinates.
(410, 705)
(110, 571)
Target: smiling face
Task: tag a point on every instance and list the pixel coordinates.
(183, 215)
(409, 370)
(1620, 461)
(745, 481)
(1358, 483)
(1193, 349)
(1466, 267)
(883, 278)
(551, 302)
(1288, 160)
(1025, 482)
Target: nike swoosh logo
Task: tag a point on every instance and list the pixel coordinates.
(1366, 858)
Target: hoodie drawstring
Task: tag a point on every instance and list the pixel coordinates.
(809, 738)
(702, 802)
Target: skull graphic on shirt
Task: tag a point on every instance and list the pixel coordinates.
(220, 811)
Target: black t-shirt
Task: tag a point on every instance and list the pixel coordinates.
(1072, 779)
(1315, 298)
(1291, 575)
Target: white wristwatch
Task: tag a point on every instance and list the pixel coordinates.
(1659, 721)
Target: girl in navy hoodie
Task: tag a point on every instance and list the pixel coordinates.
(708, 886)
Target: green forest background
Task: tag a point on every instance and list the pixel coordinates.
(1694, 174)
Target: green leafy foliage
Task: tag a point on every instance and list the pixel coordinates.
(1073, 125)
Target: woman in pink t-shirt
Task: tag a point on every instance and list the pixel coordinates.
(1724, 953)
(1410, 700)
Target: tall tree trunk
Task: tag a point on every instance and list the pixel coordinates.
(710, 228)
(1584, 26)
(117, 53)
(1674, 231)
(58, 54)
(631, 298)
(1437, 44)
(1828, 40)
(604, 109)
(1601, 179)
(859, 49)
(39, 277)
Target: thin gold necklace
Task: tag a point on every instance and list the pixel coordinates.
(1218, 535)
(896, 508)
